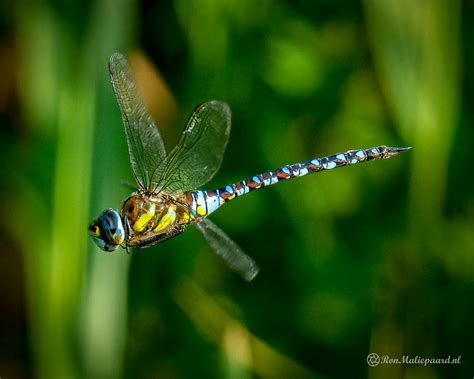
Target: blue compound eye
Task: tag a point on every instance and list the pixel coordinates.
(107, 231)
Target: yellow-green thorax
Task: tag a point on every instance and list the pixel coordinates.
(151, 215)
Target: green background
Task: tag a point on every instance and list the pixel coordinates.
(371, 258)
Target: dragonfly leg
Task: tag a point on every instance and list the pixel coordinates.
(128, 185)
(126, 226)
(158, 238)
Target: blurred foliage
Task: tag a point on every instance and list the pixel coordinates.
(371, 258)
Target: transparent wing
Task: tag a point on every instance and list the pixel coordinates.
(228, 250)
(145, 146)
(198, 155)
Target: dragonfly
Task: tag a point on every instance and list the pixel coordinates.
(167, 198)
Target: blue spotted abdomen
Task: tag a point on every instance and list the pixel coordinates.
(205, 202)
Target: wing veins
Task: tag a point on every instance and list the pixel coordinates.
(201, 144)
(145, 146)
(169, 168)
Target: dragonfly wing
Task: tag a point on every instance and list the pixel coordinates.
(145, 145)
(228, 250)
(199, 152)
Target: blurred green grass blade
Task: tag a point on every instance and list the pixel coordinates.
(55, 284)
(70, 211)
(417, 52)
(103, 319)
(416, 46)
(261, 358)
(236, 353)
(58, 81)
(38, 37)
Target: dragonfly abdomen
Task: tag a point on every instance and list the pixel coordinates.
(205, 202)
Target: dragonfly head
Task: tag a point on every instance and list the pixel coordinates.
(107, 230)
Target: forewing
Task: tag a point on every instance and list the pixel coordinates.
(199, 152)
(228, 250)
(145, 146)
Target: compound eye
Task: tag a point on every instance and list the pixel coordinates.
(94, 230)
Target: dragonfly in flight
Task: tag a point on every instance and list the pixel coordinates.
(168, 199)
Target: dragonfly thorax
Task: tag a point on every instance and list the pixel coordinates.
(146, 216)
(141, 211)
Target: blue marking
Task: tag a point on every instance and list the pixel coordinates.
(296, 169)
(274, 179)
(328, 165)
(212, 203)
(240, 191)
(361, 154)
(303, 171)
